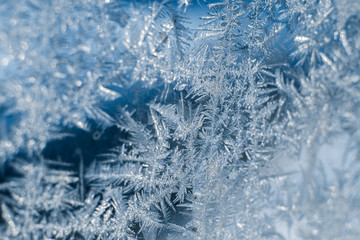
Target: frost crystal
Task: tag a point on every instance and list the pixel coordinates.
(129, 121)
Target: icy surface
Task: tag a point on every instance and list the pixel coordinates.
(179, 119)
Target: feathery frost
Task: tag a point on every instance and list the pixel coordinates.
(127, 121)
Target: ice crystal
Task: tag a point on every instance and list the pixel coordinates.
(127, 120)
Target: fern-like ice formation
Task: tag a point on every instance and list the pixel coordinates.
(127, 121)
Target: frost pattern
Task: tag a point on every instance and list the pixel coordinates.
(245, 127)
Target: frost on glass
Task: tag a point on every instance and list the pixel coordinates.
(127, 120)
